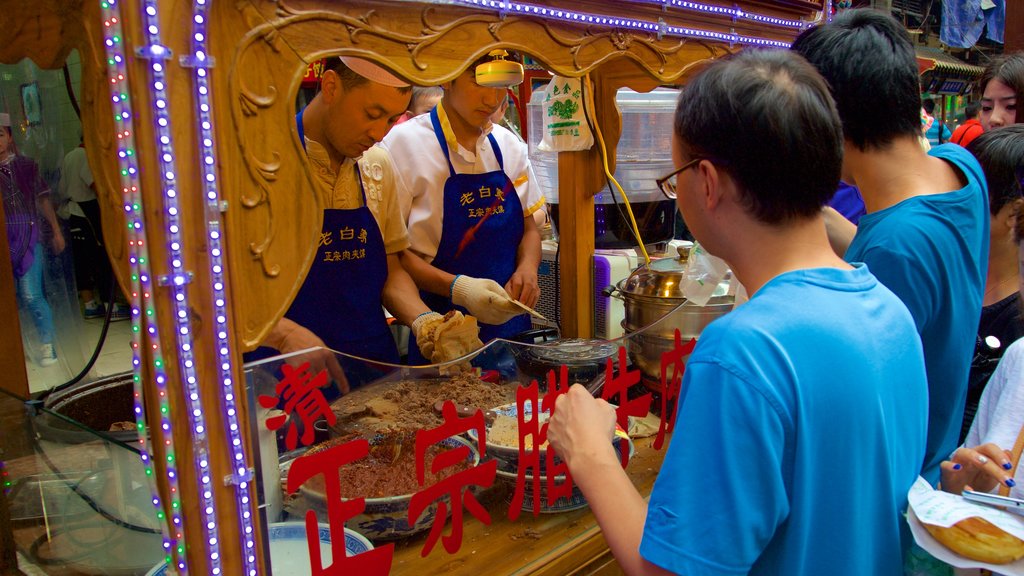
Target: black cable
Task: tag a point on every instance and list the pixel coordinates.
(71, 92)
(608, 181)
(85, 497)
(96, 351)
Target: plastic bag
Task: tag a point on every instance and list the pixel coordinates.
(702, 275)
(564, 117)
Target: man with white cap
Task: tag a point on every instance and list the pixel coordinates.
(26, 196)
(356, 268)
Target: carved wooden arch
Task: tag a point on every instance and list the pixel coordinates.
(275, 212)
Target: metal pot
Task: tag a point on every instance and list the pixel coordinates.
(655, 307)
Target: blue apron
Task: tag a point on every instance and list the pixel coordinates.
(481, 229)
(340, 300)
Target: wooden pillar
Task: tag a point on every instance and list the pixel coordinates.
(581, 176)
(1013, 36)
(12, 353)
(193, 222)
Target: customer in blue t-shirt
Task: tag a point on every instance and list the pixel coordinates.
(937, 132)
(794, 449)
(926, 231)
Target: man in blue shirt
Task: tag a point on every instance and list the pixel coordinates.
(926, 231)
(794, 449)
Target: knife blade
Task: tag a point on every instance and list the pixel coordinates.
(526, 308)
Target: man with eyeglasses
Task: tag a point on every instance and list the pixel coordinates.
(784, 399)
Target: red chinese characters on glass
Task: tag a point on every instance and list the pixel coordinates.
(615, 393)
(302, 399)
(533, 432)
(328, 462)
(453, 486)
(670, 384)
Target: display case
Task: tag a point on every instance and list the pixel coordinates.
(211, 220)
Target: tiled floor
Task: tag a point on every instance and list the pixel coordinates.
(76, 340)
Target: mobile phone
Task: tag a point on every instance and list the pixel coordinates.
(1014, 505)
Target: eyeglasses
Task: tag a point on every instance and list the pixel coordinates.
(667, 184)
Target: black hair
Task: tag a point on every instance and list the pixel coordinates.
(869, 63)
(765, 117)
(972, 110)
(350, 79)
(1000, 152)
(928, 104)
(1008, 69)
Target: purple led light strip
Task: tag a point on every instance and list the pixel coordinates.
(138, 258)
(506, 6)
(731, 11)
(200, 61)
(178, 279)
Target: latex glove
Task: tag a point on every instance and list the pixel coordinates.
(485, 299)
(296, 337)
(424, 330)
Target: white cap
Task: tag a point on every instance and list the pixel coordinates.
(373, 72)
(5, 119)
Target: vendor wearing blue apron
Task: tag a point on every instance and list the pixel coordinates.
(356, 269)
(469, 194)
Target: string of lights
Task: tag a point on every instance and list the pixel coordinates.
(141, 285)
(200, 61)
(179, 277)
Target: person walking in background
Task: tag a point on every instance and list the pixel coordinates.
(26, 198)
(80, 208)
(971, 128)
(937, 132)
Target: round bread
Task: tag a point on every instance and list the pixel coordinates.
(979, 539)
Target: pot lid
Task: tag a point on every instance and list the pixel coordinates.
(663, 278)
(574, 351)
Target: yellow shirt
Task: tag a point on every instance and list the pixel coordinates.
(340, 190)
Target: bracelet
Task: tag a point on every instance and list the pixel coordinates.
(451, 288)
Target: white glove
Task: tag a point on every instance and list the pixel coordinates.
(484, 298)
(423, 330)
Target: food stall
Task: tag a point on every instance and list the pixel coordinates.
(188, 116)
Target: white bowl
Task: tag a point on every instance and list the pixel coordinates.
(289, 551)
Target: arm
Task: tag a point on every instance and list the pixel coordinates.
(426, 276)
(43, 200)
(580, 431)
(401, 297)
(523, 284)
(840, 230)
(288, 336)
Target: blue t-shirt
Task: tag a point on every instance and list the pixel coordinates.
(933, 133)
(932, 251)
(794, 450)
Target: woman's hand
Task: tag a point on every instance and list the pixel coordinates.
(980, 468)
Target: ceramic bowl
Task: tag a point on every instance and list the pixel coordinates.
(387, 518)
(289, 551)
(563, 504)
(508, 455)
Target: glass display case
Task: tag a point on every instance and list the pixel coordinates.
(415, 469)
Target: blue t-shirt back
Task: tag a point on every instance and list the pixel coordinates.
(932, 251)
(801, 426)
